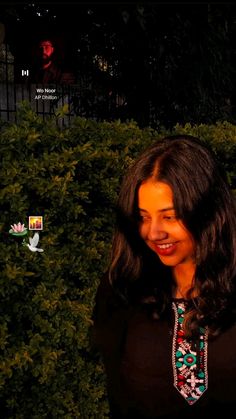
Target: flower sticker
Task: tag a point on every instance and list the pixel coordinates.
(18, 229)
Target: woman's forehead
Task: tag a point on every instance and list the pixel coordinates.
(155, 195)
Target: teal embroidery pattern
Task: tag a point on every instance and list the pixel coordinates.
(189, 359)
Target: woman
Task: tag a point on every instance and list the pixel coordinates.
(164, 318)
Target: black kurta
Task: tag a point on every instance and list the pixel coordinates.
(137, 353)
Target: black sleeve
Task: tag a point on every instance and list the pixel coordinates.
(109, 330)
(109, 319)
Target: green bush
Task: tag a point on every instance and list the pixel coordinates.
(71, 177)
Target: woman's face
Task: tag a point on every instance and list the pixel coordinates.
(159, 227)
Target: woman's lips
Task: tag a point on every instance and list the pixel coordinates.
(165, 249)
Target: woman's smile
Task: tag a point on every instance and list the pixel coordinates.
(165, 248)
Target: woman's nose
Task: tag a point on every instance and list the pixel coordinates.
(156, 232)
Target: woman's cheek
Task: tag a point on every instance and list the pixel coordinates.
(143, 231)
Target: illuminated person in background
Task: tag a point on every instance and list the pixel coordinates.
(164, 319)
(48, 71)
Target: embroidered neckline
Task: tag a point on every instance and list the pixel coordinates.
(189, 359)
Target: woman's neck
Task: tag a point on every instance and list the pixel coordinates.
(183, 276)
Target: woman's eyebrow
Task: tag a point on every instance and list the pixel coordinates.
(160, 210)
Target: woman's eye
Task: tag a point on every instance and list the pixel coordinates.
(144, 218)
(170, 217)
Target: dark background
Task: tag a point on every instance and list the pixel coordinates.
(166, 62)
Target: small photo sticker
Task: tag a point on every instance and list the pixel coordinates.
(35, 222)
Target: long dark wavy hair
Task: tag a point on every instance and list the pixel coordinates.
(205, 204)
